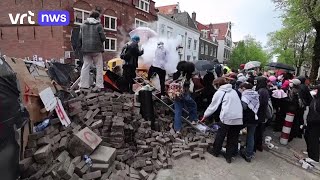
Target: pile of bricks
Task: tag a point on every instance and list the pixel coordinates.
(107, 128)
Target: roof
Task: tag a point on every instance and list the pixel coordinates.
(169, 17)
(169, 9)
(202, 26)
(223, 29)
(183, 19)
(206, 27)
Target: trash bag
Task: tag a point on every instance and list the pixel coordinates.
(63, 74)
(9, 95)
(10, 115)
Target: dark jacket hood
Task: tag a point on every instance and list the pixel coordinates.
(302, 79)
(261, 82)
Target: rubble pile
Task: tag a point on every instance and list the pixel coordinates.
(107, 139)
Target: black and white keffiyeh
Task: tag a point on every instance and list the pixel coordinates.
(251, 98)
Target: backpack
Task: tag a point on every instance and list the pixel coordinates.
(124, 53)
(269, 111)
(177, 88)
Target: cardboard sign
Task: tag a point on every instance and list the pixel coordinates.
(64, 119)
(48, 99)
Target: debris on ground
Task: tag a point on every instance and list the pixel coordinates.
(107, 139)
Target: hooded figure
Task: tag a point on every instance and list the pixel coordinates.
(261, 88)
(158, 66)
(305, 91)
(227, 103)
(131, 61)
(91, 39)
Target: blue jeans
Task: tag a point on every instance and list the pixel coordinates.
(251, 129)
(185, 101)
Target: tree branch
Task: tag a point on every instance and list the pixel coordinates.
(309, 10)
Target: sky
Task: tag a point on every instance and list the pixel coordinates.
(254, 17)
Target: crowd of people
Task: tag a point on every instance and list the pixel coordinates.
(235, 99)
(242, 98)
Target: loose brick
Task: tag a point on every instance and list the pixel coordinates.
(88, 115)
(84, 142)
(152, 176)
(102, 167)
(64, 167)
(170, 163)
(194, 155)
(148, 169)
(63, 144)
(104, 155)
(200, 150)
(161, 158)
(32, 144)
(177, 155)
(56, 138)
(42, 153)
(144, 174)
(203, 145)
(49, 130)
(44, 141)
(97, 124)
(62, 156)
(92, 175)
(24, 164)
(35, 135)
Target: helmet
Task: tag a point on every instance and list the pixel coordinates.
(135, 38)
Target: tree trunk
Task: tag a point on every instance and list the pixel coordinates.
(301, 60)
(316, 55)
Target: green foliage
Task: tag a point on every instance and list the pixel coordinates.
(248, 50)
(296, 43)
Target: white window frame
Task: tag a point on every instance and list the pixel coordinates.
(195, 44)
(139, 22)
(110, 17)
(188, 57)
(202, 48)
(115, 46)
(82, 11)
(189, 43)
(169, 32)
(146, 5)
(206, 49)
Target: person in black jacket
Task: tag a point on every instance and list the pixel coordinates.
(305, 96)
(312, 134)
(250, 103)
(131, 61)
(261, 88)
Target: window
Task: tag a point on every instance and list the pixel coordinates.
(195, 44)
(110, 23)
(80, 16)
(211, 51)
(188, 58)
(207, 50)
(110, 44)
(204, 33)
(202, 48)
(169, 32)
(189, 43)
(140, 23)
(194, 58)
(144, 5)
(162, 30)
(182, 40)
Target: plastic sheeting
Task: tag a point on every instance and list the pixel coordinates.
(63, 74)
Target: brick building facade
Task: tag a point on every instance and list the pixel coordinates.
(119, 18)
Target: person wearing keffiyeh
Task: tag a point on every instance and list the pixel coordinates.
(250, 103)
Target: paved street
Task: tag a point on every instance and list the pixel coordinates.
(265, 166)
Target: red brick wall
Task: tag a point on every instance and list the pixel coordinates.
(52, 42)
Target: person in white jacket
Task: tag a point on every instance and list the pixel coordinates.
(158, 66)
(227, 104)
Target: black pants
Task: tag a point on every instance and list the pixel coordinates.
(162, 77)
(129, 73)
(297, 122)
(312, 136)
(258, 136)
(232, 133)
